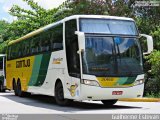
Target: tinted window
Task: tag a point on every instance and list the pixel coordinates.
(20, 49)
(72, 48)
(13, 51)
(108, 26)
(45, 42)
(26, 47)
(9, 52)
(50, 40)
(57, 37)
(35, 45)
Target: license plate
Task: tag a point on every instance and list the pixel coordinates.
(117, 92)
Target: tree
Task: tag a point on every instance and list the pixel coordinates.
(35, 18)
(75, 7)
(3, 30)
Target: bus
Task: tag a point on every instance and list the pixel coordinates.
(81, 57)
(2, 73)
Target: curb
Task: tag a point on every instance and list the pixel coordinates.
(140, 99)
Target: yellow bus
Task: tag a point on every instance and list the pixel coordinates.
(82, 57)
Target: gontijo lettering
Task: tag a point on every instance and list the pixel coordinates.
(23, 63)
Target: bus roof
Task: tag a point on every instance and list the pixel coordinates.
(97, 16)
(66, 19)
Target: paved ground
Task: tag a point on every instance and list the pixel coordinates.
(38, 104)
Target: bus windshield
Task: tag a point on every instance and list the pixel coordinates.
(108, 26)
(112, 56)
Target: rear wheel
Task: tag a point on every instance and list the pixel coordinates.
(2, 88)
(109, 102)
(59, 95)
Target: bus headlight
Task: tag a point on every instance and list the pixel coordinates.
(138, 82)
(90, 82)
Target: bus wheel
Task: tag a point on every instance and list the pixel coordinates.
(59, 95)
(109, 102)
(19, 89)
(15, 88)
(1, 88)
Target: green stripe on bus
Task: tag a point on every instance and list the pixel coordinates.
(121, 81)
(125, 80)
(130, 80)
(43, 69)
(35, 70)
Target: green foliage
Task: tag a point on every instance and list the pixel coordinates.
(152, 86)
(3, 46)
(156, 36)
(120, 8)
(154, 59)
(148, 22)
(153, 95)
(87, 7)
(74, 7)
(3, 30)
(29, 20)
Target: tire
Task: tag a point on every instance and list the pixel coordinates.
(1, 88)
(15, 88)
(59, 95)
(109, 103)
(19, 89)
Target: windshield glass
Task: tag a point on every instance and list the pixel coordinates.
(112, 56)
(108, 26)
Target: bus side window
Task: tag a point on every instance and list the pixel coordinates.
(9, 53)
(57, 38)
(45, 42)
(20, 49)
(32, 46)
(13, 52)
(28, 50)
(26, 46)
(35, 45)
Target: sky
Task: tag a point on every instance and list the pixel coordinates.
(5, 5)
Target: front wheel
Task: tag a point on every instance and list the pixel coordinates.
(59, 95)
(109, 102)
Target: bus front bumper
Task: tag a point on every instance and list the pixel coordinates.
(98, 93)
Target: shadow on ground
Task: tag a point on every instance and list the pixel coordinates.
(48, 102)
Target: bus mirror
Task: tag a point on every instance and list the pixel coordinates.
(81, 40)
(149, 43)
